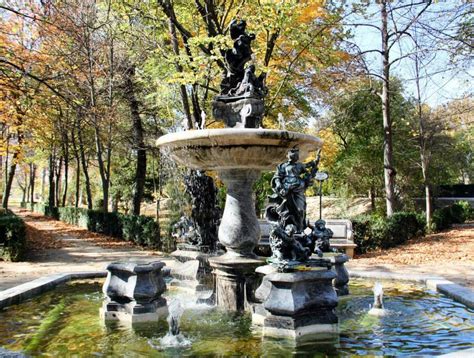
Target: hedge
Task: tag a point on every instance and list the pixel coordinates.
(12, 236)
(46, 210)
(445, 217)
(142, 230)
(377, 232)
(374, 232)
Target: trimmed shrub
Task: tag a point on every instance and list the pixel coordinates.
(142, 230)
(374, 232)
(360, 229)
(74, 216)
(104, 223)
(5, 212)
(445, 217)
(12, 237)
(46, 210)
(467, 208)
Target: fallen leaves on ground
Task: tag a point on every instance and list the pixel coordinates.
(45, 233)
(454, 245)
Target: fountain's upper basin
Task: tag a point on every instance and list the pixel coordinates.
(230, 148)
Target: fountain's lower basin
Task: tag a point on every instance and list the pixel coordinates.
(66, 322)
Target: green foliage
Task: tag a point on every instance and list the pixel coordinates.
(12, 237)
(104, 223)
(377, 232)
(467, 208)
(142, 230)
(445, 217)
(262, 189)
(357, 122)
(46, 210)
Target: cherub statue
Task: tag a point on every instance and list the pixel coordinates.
(320, 235)
(286, 247)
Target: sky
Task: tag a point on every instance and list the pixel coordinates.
(442, 82)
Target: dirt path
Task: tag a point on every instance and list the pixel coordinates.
(55, 247)
(449, 253)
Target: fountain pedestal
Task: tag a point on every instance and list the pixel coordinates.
(134, 292)
(239, 232)
(336, 261)
(297, 305)
(235, 280)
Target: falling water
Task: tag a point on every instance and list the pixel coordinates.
(378, 308)
(281, 122)
(174, 338)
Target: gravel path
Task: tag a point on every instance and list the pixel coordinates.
(56, 247)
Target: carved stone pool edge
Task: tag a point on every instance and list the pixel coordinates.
(25, 291)
(30, 289)
(439, 284)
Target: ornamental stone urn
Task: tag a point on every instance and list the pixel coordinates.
(133, 292)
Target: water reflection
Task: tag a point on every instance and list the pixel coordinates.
(422, 323)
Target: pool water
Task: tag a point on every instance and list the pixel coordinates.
(66, 322)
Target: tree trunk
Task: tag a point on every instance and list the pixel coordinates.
(11, 173)
(58, 181)
(23, 195)
(179, 68)
(66, 171)
(389, 170)
(9, 182)
(428, 206)
(78, 168)
(51, 196)
(84, 168)
(32, 185)
(372, 198)
(43, 184)
(78, 182)
(138, 143)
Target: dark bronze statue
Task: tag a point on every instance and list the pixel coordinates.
(291, 179)
(320, 236)
(204, 213)
(241, 99)
(287, 214)
(240, 82)
(286, 246)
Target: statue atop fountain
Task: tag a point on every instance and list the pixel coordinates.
(240, 102)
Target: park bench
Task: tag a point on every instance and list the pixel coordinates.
(342, 239)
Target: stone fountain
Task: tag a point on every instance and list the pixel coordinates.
(238, 154)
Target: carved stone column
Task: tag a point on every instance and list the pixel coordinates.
(239, 230)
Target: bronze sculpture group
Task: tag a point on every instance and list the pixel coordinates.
(292, 239)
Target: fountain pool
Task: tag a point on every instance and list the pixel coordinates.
(66, 322)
